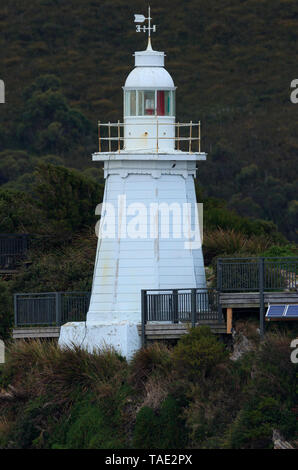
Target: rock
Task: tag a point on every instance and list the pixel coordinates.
(241, 345)
(279, 441)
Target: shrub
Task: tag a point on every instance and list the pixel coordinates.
(254, 425)
(88, 427)
(197, 353)
(152, 360)
(163, 430)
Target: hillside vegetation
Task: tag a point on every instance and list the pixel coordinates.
(190, 396)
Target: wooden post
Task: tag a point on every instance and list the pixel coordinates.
(229, 320)
(178, 136)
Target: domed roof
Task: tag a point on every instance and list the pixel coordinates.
(149, 71)
(153, 77)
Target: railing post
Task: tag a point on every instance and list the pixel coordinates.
(190, 136)
(193, 307)
(118, 136)
(144, 316)
(99, 139)
(15, 306)
(261, 292)
(175, 306)
(219, 274)
(58, 307)
(219, 307)
(109, 131)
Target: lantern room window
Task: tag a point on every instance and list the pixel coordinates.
(149, 103)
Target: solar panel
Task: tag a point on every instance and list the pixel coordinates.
(275, 311)
(292, 311)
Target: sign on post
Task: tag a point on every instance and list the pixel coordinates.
(2, 352)
(2, 92)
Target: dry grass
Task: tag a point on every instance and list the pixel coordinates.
(42, 367)
(154, 361)
(229, 242)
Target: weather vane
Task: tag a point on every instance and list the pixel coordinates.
(141, 19)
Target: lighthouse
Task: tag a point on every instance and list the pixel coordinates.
(149, 233)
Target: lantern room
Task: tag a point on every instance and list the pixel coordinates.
(149, 104)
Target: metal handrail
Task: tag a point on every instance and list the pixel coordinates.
(50, 308)
(121, 125)
(245, 274)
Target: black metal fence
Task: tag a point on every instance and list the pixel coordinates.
(181, 305)
(13, 248)
(51, 308)
(256, 274)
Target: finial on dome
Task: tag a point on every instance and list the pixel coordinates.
(149, 28)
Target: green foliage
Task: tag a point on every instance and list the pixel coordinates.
(254, 425)
(88, 428)
(198, 353)
(164, 430)
(218, 216)
(19, 213)
(64, 268)
(68, 198)
(13, 164)
(48, 123)
(71, 399)
(288, 250)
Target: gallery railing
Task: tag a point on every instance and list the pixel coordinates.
(51, 308)
(187, 136)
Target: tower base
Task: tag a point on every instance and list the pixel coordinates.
(123, 336)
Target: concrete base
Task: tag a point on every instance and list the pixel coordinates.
(123, 337)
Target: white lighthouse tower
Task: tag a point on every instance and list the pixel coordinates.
(149, 233)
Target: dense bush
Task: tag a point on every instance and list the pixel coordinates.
(191, 395)
(197, 353)
(162, 430)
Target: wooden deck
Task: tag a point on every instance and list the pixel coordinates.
(153, 331)
(36, 332)
(158, 331)
(252, 299)
(176, 330)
